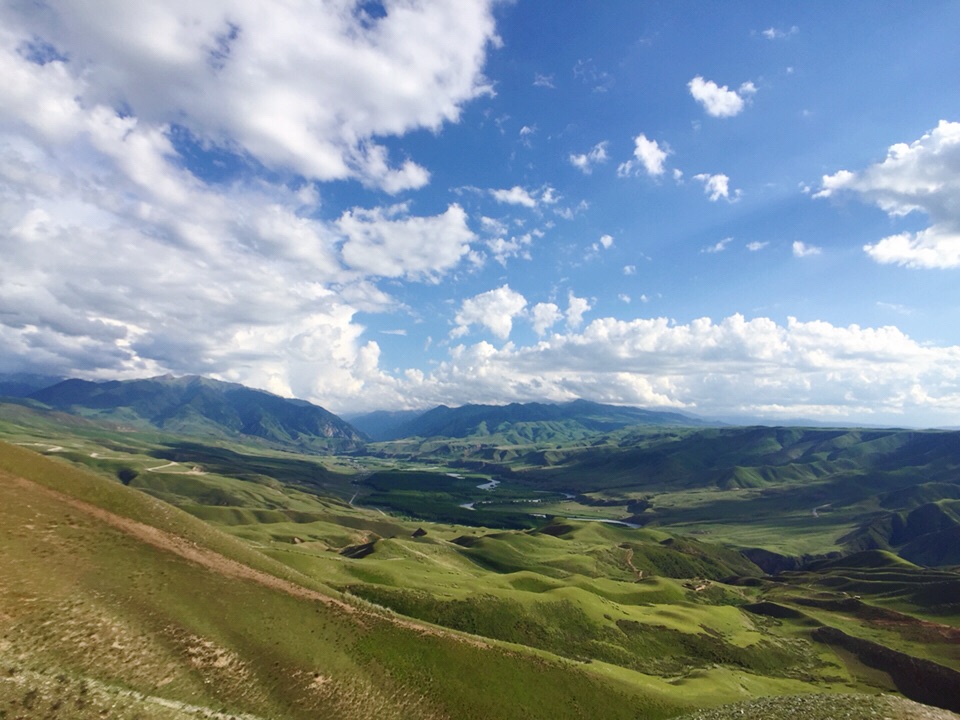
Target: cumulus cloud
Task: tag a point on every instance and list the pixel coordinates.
(118, 261)
(737, 365)
(494, 310)
(544, 316)
(923, 176)
(604, 243)
(390, 243)
(301, 88)
(514, 196)
(720, 101)
(801, 249)
(576, 308)
(650, 156)
(585, 162)
(757, 245)
(717, 186)
(517, 246)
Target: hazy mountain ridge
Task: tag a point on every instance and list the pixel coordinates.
(201, 406)
(198, 405)
(579, 415)
(380, 424)
(19, 385)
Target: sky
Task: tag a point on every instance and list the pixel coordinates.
(743, 209)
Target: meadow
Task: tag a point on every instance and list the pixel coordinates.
(162, 576)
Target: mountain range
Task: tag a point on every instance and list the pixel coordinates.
(193, 405)
(574, 418)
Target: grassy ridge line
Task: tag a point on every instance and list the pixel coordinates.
(83, 486)
(172, 543)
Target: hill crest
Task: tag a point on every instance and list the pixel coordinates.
(197, 405)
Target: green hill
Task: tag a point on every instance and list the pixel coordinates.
(115, 604)
(201, 407)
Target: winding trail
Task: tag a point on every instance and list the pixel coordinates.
(636, 571)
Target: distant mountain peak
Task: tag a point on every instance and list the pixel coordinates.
(196, 405)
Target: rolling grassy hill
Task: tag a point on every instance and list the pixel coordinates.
(243, 580)
(116, 603)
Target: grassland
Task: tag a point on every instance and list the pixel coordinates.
(286, 585)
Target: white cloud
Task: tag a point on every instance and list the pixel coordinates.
(390, 243)
(576, 308)
(801, 249)
(604, 243)
(241, 280)
(517, 246)
(494, 310)
(717, 186)
(629, 269)
(544, 316)
(737, 365)
(923, 176)
(720, 101)
(772, 33)
(548, 196)
(302, 88)
(718, 247)
(493, 226)
(649, 154)
(935, 247)
(585, 162)
(514, 196)
(757, 245)
(624, 298)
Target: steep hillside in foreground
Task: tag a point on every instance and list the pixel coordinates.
(116, 604)
(202, 407)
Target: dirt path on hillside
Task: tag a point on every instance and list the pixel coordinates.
(636, 571)
(223, 565)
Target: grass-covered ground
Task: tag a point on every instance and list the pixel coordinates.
(448, 618)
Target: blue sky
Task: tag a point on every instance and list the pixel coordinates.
(731, 209)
